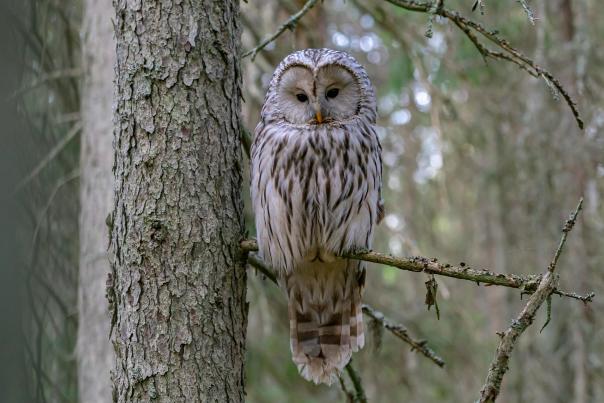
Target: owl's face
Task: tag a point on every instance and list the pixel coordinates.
(319, 86)
(315, 95)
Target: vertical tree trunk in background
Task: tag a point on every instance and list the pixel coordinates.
(95, 353)
(179, 287)
(583, 333)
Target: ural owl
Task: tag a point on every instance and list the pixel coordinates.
(315, 185)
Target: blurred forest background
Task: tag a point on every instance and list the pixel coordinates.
(482, 165)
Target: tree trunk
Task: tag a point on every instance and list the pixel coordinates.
(179, 285)
(95, 353)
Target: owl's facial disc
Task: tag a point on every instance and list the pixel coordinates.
(338, 92)
(327, 95)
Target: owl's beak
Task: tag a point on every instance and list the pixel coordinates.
(318, 114)
(319, 117)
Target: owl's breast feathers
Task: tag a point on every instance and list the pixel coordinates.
(315, 187)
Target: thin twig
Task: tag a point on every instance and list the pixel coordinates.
(396, 329)
(360, 396)
(528, 284)
(585, 298)
(71, 176)
(499, 365)
(568, 226)
(529, 13)
(480, 5)
(75, 129)
(547, 285)
(74, 72)
(349, 395)
(509, 53)
(289, 24)
(262, 267)
(401, 332)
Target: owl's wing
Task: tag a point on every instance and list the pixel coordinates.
(380, 210)
(380, 207)
(259, 181)
(270, 198)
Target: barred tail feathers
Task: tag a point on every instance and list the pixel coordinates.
(325, 313)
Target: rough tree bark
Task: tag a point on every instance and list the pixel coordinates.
(179, 288)
(95, 353)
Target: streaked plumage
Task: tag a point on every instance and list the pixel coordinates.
(316, 183)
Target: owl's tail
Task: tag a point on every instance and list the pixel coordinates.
(325, 316)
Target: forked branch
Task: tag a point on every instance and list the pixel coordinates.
(547, 285)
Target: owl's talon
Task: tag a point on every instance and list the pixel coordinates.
(359, 251)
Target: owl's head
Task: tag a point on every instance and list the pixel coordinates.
(320, 86)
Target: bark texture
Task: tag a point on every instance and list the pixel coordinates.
(179, 288)
(95, 353)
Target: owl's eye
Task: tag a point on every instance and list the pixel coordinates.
(332, 93)
(302, 97)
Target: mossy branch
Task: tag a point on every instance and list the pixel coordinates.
(526, 283)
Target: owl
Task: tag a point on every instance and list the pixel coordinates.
(316, 181)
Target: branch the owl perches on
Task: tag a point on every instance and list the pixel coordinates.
(526, 283)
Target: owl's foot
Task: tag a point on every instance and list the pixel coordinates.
(359, 250)
(320, 255)
(314, 121)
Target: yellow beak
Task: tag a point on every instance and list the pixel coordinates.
(319, 117)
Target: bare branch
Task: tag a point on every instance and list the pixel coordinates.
(480, 5)
(547, 285)
(62, 182)
(360, 396)
(402, 333)
(528, 284)
(499, 364)
(568, 226)
(529, 13)
(289, 24)
(75, 129)
(43, 78)
(509, 53)
(262, 267)
(584, 298)
(349, 395)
